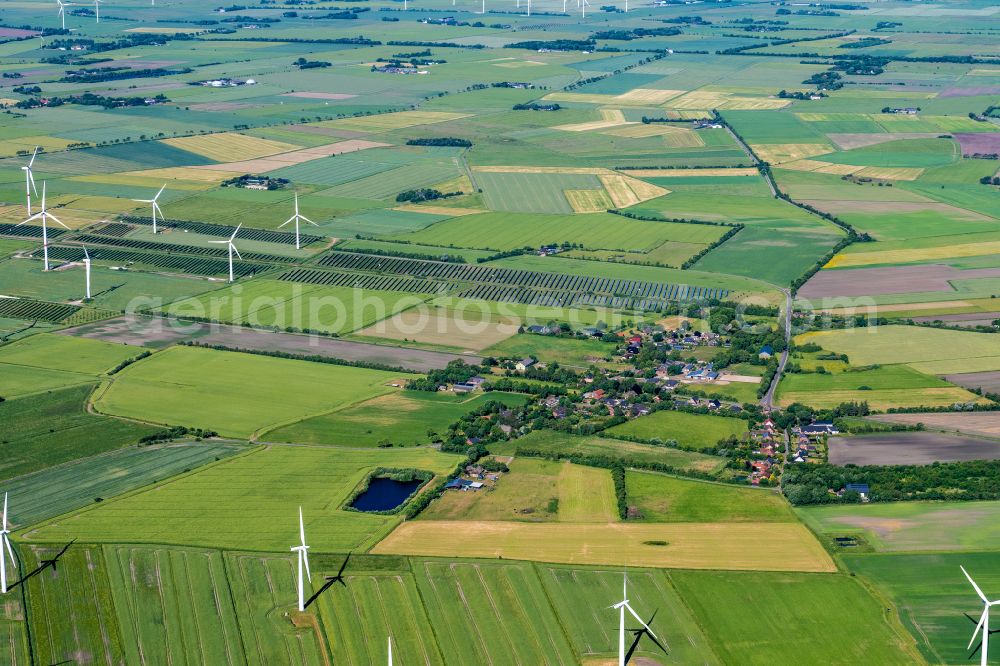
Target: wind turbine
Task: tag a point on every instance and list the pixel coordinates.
(621, 607)
(86, 268)
(303, 556)
(5, 549)
(97, 9)
(583, 8)
(156, 206)
(295, 218)
(984, 619)
(44, 215)
(232, 248)
(390, 650)
(639, 633)
(62, 12)
(29, 178)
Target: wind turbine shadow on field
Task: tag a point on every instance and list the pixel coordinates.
(644, 631)
(43, 565)
(330, 580)
(979, 645)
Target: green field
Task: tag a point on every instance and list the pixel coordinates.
(551, 349)
(661, 498)
(54, 427)
(278, 304)
(931, 594)
(733, 604)
(927, 350)
(557, 443)
(183, 385)
(699, 431)
(206, 507)
(886, 386)
(402, 418)
(917, 526)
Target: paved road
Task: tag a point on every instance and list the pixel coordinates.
(767, 402)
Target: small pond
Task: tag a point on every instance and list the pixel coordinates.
(385, 494)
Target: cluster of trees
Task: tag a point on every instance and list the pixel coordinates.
(482, 426)
(129, 361)
(440, 141)
(634, 33)
(176, 432)
(536, 107)
(798, 94)
(990, 180)
(457, 371)
(97, 75)
(302, 63)
(555, 45)
(424, 194)
(828, 80)
(865, 42)
(970, 480)
(89, 99)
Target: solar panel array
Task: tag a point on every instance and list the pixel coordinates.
(260, 235)
(168, 262)
(28, 231)
(362, 281)
(91, 239)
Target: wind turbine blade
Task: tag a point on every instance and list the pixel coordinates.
(308, 220)
(33, 156)
(305, 560)
(641, 621)
(220, 242)
(156, 207)
(344, 565)
(10, 551)
(233, 237)
(302, 528)
(36, 216)
(160, 192)
(237, 252)
(31, 179)
(50, 215)
(979, 625)
(978, 591)
(5, 511)
(291, 219)
(85, 253)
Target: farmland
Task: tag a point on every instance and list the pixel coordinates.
(634, 196)
(177, 385)
(689, 430)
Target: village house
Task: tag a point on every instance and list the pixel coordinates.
(524, 364)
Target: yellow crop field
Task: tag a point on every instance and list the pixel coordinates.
(595, 171)
(820, 117)
(156, 177)
(586, 495)
(676, 137)
(391, 121)
(627, 191)
(693, 173)
(613, 114)
(141, 179)
(593, 125)
(650, 96)
(707, 99)
(291, 158)
(881, 173)
(891, 173)
(776, 153)
(914, 254)
(731, 546)
(440, 210)
(9, 147)
(588, 201)
(229, 146)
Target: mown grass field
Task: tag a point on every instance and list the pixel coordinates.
(662, 498)
(913, 526)
(52, 428)
(558, 443)
(233, 393)
(691, 430)
(927, 350)
(59, 352)
(887, 386)
(788, 546)
(550, 349)
(403, 418)
(208, 506)
(854, 626)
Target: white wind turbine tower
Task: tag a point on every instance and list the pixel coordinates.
(156, 206)
(62, 12)
(44, 215)
(303, 562)
(97, 9)
(86, 268)
(984, 619)
(5, 549)
(29, 178)
(390, 650)
(295, 218)
(232, 248)
(621, 606)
